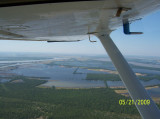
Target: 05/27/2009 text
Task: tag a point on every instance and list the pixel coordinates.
(132, 102)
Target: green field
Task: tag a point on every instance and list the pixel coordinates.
(103, 77)
(144, 67)
(26, 101)
(115, 77)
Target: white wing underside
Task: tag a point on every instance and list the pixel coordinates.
(69, 21)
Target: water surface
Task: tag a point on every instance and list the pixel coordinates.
(60, 76)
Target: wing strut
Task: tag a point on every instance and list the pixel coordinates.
(131, 82)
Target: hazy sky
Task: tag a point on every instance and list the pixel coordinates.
(147, 44)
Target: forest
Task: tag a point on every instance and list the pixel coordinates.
(24, 100)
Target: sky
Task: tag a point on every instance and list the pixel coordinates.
(147, 44)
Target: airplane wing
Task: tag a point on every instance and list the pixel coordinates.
(74, 20)
(67, 20)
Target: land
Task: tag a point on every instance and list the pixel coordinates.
(121, 89)
(125, 93)
(25, 101)
(115, 77)
(24, 97)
